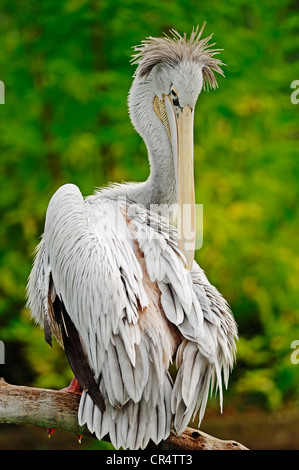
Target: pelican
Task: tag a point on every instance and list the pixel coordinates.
(117, 285)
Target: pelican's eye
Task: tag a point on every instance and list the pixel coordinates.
(174, 96)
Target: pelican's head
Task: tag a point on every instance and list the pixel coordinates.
(170, 75)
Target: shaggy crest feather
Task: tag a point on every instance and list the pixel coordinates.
(172, 50)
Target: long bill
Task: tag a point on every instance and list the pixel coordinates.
(179, 125)
(184, 164)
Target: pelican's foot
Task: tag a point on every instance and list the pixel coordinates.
(74, 387)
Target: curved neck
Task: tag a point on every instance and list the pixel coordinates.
(160, 187)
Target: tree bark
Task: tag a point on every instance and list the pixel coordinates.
(56, 409)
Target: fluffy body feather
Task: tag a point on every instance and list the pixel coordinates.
(137, 309)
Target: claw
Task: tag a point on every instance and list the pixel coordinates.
(50, 431)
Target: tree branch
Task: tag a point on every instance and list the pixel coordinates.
(56, 409)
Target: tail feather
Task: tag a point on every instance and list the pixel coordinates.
(133, 425)
(191, 387)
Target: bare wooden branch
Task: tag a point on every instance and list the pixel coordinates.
(56, 409)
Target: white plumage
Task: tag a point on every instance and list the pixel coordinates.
(116, 271)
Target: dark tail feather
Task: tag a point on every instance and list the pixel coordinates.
(75, 354)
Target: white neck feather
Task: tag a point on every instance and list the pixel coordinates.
(160, 187)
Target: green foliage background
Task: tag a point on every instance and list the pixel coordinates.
(66, 70)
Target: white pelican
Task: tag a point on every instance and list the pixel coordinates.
(118, 287)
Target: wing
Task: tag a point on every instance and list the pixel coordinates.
(94, 270)
(201, 314)
(204, 360)
(88, 287)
